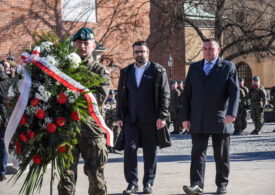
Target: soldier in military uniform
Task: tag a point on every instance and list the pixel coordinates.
(174, 98)
(238, 124)
(91, 140)
(245, 108)
(110, 116)
(258, 102)
(179, 109)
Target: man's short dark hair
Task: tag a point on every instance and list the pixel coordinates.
(211, 40)
(140, 43)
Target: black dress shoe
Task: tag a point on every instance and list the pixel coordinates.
(254, 132)
(193, 190)
(131, 189)
(221, 190)
(147, 189)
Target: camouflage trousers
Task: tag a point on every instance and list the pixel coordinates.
(240, 123)
(94, 154)
(114, 128)
(257, 115)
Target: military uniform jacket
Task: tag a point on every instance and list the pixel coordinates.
(257, 96)
(4, 86)
(208, 99)
(90, 128)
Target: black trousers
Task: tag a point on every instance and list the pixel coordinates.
(136, 135)
(221, 144)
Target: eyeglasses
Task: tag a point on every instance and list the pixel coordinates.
(208, 49)
(139, 51)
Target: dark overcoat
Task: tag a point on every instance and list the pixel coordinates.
(208, 99)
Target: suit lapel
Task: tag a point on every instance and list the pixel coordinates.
(145, 72)
(215, 68)
(201, 69)
(133, 76)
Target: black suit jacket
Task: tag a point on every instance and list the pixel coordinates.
(140, 100)
(161, 96)
(208, 99)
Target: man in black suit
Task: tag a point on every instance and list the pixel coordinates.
(210, 105)
(142, 109)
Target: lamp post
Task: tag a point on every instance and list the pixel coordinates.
(10, 57)
(170, 65)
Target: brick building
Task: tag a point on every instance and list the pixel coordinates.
(117, 24)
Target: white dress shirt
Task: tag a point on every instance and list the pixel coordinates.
(139, 72)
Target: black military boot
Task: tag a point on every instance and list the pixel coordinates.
(254, 132)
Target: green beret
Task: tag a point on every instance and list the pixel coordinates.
(84, 34)
(111, 91)
(180, 82)
(241, 79)
(256, 78)
(173, 82)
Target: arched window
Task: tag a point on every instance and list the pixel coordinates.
(244, 71)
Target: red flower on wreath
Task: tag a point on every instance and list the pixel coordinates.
(35, 102)
(62, 98)
(60, 121)
(37, 159)
(62, 149)
(18, 147)
(23, 120)
(23, 137)
(31, 134)
(9, 105)
(75, 116)
(51, 128)
(40, 113)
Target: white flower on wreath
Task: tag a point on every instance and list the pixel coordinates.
(67, 92)
(19, 69)
(46, 46)
(41, 88)
(57, 83)
(74, 60)
(43, 95)
(52, 60)
(11, 92)
(76, 94)
(38, 96)
(19, 85)
(71, 100)
(48, 120)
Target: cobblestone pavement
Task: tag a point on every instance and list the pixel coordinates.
(252, 168)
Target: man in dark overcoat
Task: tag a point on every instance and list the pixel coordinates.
(210, 105)
(142, 111)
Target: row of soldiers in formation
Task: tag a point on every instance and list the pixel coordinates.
(253, 99)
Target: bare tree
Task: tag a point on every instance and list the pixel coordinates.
(242, 27)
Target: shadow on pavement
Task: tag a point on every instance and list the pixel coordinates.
(248, 156)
